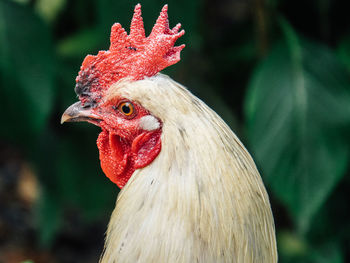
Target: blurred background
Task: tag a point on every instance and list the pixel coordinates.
(277, 71)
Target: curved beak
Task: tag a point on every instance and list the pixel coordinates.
(76, 112)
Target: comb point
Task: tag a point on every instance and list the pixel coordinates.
(137, 30)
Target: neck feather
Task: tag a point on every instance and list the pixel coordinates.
(200, 200)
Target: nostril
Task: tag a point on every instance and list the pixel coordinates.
(89, 104)
(85, 90)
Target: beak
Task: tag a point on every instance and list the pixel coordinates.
(77, 112)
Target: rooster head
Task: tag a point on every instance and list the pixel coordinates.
(131, 135)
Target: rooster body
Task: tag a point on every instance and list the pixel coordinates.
(201, 199)
(190, 190)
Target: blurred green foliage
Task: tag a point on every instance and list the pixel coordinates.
(277, 71)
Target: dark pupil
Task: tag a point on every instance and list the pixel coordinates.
(126, 108)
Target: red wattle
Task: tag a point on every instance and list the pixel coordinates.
(120, 158)
(113, 158)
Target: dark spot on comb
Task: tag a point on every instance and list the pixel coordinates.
(131, 48)
(86, 80)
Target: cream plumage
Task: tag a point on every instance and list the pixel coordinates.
(201, 199)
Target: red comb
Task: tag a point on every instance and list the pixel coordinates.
(134, 56)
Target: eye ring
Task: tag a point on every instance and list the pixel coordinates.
(126, 108)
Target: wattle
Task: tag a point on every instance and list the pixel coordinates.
(120, 157)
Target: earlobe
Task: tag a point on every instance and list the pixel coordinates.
(149, 123)
(145, 148)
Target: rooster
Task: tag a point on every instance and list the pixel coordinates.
(190, 191)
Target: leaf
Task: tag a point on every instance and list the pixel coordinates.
(329, 252)
(291, 245)
(343, 51)
(49, 9)
(49, 218)
(293, 248)
(71, 177)
(26, 70)
(77, 171)
(298, 114)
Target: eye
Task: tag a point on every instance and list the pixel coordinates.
(126, 108)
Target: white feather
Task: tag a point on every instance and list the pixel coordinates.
(149, 123)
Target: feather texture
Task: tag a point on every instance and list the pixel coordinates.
(202, 198)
